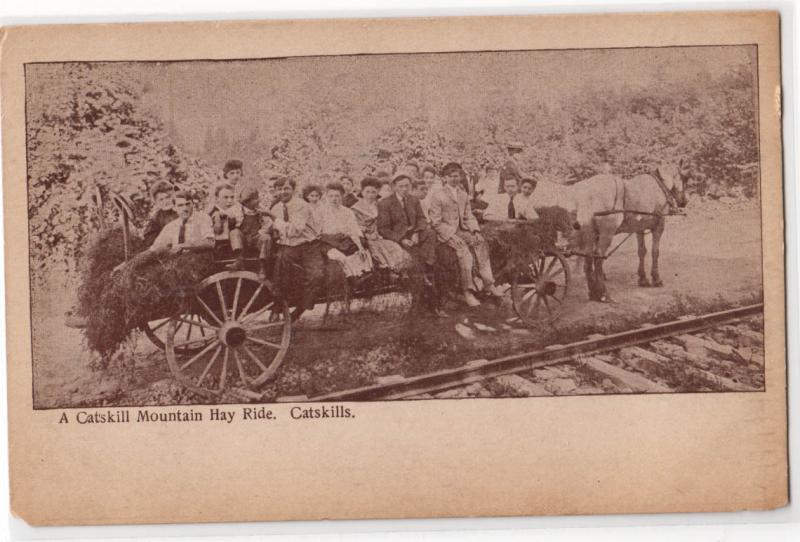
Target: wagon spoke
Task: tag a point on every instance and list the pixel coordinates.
(265, 343)
(208, 310)
(224, 375)
(200, 354)
(183, 344)
(254, 358)
(263, 325)
(559, 271)
(259, 312)
(198, 323)
(549, 267)
(536, 305)
(557, 299)
(209, 365)
(547, 305)
(159, 326)
(239, 365)
(189, 329)
(526, 285)
(250, 302)
(222, 300)
(236, 298)
(528, 295)
(541, 262)
(534, 271)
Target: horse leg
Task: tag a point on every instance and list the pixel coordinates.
(642, 253)
(603, 242)
(588, 270)
(657, 231)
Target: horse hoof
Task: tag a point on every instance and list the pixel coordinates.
(644, 283)
(657, 284)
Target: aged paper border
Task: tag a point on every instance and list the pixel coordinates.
(557, 455)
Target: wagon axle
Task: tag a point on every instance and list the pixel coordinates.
(232, 334)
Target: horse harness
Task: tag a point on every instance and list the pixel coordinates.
(670, 197)
(671, 203)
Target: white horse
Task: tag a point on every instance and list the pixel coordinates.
(606, 205)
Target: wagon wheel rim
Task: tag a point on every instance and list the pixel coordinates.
(190, 325)
(539, 288)
(248, 345)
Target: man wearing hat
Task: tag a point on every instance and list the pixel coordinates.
(510, 169)
(402, 220)
(452, 219)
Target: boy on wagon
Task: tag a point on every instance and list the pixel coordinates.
(299, 247)
(190, 231)
(163, 212)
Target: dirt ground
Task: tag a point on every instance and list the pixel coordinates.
(710, 260)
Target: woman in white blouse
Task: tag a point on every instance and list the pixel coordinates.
(340, 233)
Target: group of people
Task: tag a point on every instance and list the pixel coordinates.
(389, 222)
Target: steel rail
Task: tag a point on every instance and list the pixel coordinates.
(484, 369)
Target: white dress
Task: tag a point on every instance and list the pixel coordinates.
(341, 220)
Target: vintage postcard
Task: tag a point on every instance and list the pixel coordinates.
(394, 268)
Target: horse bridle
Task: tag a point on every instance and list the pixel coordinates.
(667, 192)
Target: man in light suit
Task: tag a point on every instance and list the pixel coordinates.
(452, 219)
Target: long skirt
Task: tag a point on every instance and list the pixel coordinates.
(353, 265)
(388, 254)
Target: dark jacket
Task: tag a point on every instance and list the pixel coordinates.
(394, 224)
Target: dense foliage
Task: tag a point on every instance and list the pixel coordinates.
(87, 129)
(88, 126)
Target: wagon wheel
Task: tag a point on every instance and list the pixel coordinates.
(248, 345)
(539, 288)
(187, 326)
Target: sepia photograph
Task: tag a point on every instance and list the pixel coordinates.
(394, 268)
(461, 225)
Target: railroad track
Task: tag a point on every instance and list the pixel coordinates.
(692, 353)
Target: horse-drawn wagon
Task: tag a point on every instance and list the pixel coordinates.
(233, 329)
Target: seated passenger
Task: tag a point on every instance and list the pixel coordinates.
(401, 219)
(340, 233)
(163, 212)
(421, 192)
(349, 198)
(456, 226)
(526, 188)
(253, 233)
(430, 178)
(386, 187)
(312, 193)
(227, 216)
(190, 231)
(384, 252)
(510, 204)
(299, 247)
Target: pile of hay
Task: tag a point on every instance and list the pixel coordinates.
(147, 287)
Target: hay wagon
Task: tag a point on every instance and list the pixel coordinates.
(233, 329)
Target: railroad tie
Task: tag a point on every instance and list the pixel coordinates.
(637, 383)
